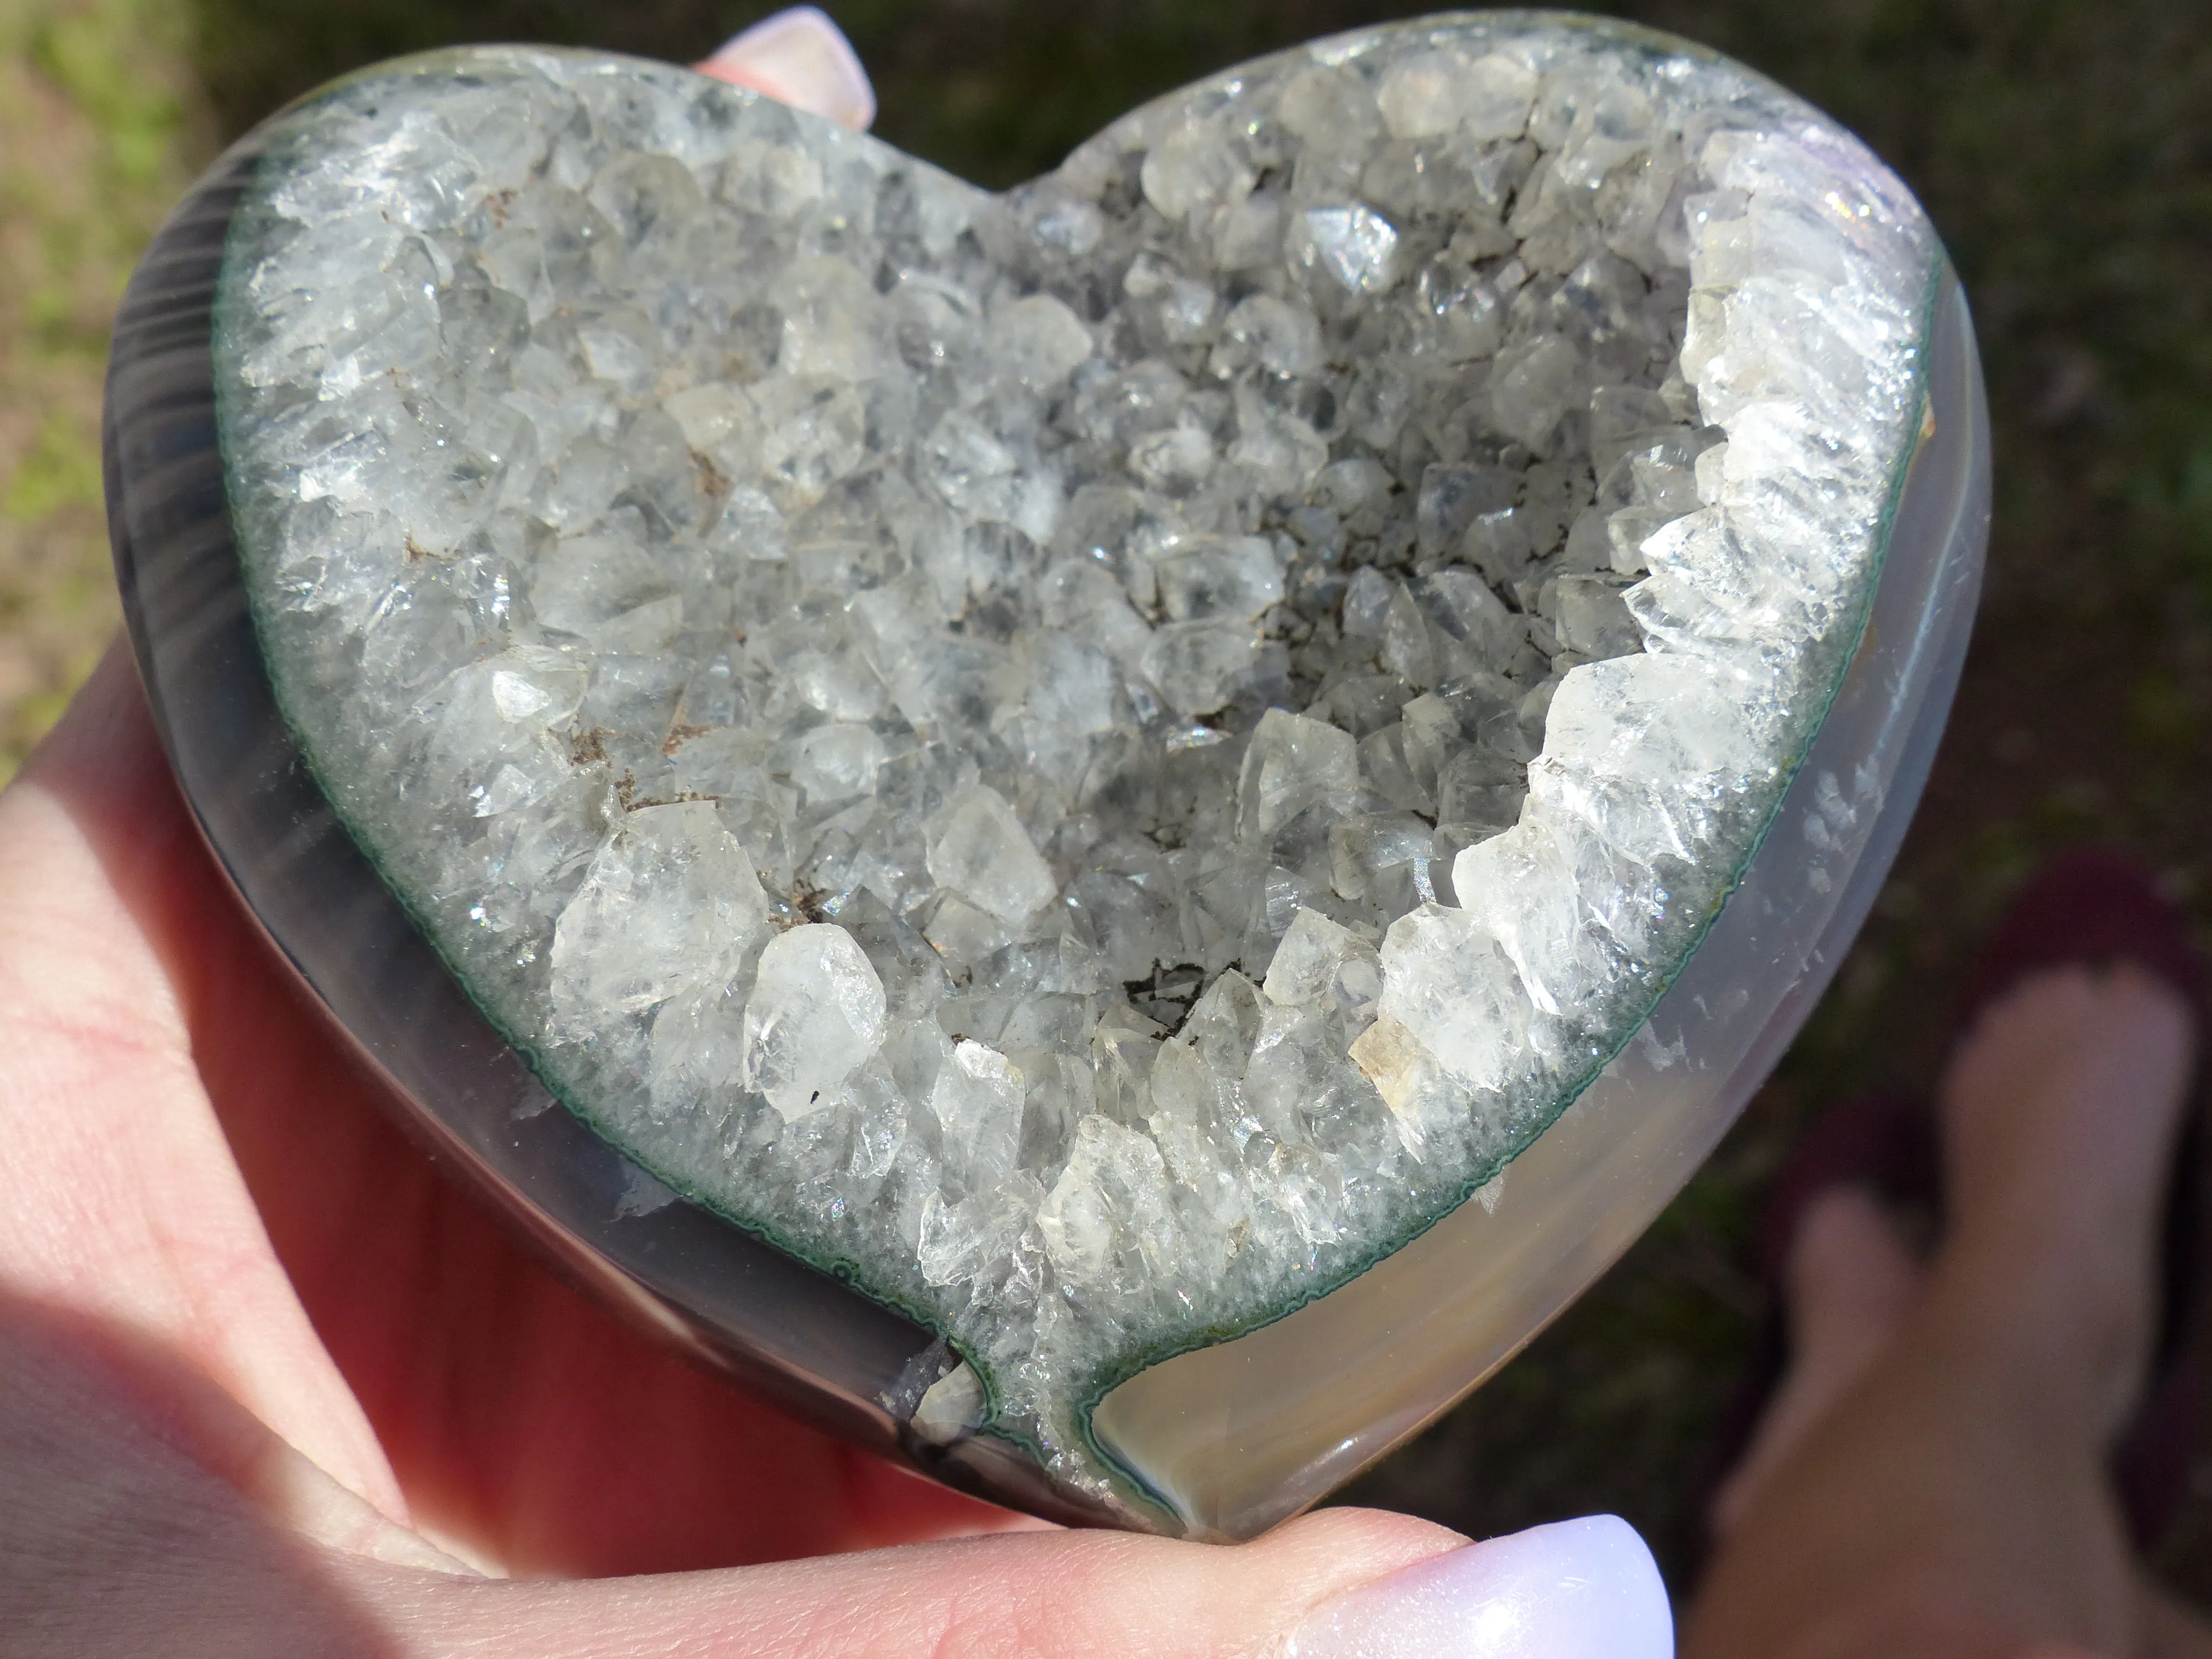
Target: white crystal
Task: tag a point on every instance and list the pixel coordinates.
(1284, 338)
(836, 763)
(982, 852)
(951, 1406)
(1292, 764)
(1426, 95)
(978, 1104)
(1320, 962)
(1593, 620)
(1207, 578)
(1494, 97)
(815, 1016)
(1358, 245)
(1533, 387)
(1042, 340)
(1106, 1219)
(1198, 665)
(1456, 996)
(1192, 168)
(669, 904)
(1362, 850)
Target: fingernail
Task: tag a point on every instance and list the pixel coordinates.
(1579, 1589)
(802, 58)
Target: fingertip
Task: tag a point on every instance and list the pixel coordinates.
(801, 59)
(1576, 1589)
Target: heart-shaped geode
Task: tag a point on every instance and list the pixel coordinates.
(1095, 759)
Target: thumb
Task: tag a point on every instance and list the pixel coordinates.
(799, 58)
(1339, 1584)
(141, 1519)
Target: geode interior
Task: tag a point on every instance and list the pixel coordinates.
(1094, 759)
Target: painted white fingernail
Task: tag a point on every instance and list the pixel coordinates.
(802, 58)
(1579, 1589)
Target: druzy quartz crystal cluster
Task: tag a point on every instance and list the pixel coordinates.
(1093, 759)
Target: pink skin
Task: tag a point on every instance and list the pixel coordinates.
(269, 1384)
(799, 58)
(267, 1381)
(1930, 1480)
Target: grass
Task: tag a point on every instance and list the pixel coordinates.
(96, 136)
(2059, 145)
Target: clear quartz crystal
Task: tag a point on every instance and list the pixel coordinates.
(816, 1014)
(1103, 754)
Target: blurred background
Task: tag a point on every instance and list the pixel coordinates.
(2063, 150)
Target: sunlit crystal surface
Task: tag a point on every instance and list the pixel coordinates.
(1097, 757)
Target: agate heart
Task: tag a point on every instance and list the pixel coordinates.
(1092, 762)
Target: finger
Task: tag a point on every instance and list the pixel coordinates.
(94, 1418)
(526, 1423)
(116, 1539)
(155, 1054)
(1577, 1589)
(138, 1521)
(123, 1200)
(1339, 1584)
(800, 57)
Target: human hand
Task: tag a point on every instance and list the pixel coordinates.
(269, 1384)
(267, 1381)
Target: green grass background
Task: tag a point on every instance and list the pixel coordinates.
(2063, 149)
